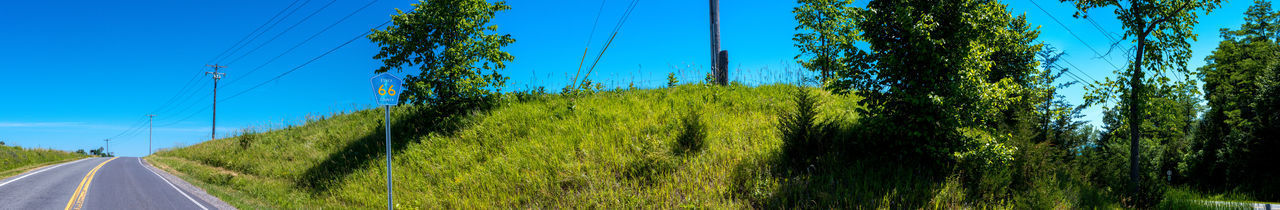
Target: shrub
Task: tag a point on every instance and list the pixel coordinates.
(693, 133)
(246, 138)
(804, 137)
(671, 80)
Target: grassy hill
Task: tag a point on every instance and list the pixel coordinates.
(686, 146)
(673, 147)
(15, 159)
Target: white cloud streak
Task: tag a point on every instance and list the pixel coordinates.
(39, 124)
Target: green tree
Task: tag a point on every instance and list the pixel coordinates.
(825, 27)
(455, 49)
(938, 72)
(1058, 118)
(1161, 29)
(1236, 79)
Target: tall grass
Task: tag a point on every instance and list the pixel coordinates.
(15, 159)
(658, 148)
(687, 146)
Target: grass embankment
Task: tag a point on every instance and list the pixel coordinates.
(15, 160)
(687, 146)
(614, 148)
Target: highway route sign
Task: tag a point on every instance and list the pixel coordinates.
(386, 88)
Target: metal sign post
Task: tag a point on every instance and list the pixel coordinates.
(387, 94)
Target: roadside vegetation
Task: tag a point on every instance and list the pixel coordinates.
(15, 159)
(668, 148)
(913, 104)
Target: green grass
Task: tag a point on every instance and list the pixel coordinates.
(637, 148)
(15, 160)
(1187, 198)
(689, 146)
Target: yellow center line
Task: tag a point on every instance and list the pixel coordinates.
(77, 198)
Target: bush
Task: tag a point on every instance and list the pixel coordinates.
(671, 80)
(246, 138)
(693, 134)
(804, 137)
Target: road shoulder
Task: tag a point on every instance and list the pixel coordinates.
(195, 192)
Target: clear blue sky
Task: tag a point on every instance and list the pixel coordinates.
(73, 73)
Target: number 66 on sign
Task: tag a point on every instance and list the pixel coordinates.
(387, 88)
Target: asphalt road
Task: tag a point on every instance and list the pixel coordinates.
(100, 183)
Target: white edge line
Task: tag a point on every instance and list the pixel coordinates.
(184, 194)
(41, 170)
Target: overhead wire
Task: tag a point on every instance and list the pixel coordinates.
(181, 97)
(130, 128)
(286, 30)
(313, 36)
(193, 114)
(586, 48)
(617, 27)
(165, 106)
(303, 64)
(1073, 34)
(259, 30)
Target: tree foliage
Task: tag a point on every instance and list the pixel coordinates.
(455, 49)
(1161, 29)
(1239, 127)
(928, 68)
(1057, 118)
(825, 28)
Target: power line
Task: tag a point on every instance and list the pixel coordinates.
(617, 27)
(177, 94)
(1078, 69)
(179, 97)
(193, 114)
(184, 119)
(305, 63)
(187, 98)
(286, 30)
(256, 31)
(131, 128)
(590, 36)
(263, 65)
(196, 103)
(1108, 35)
(313, 36)
(1081, 70)
(1073, 34)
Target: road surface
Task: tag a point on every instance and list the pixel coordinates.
(102, 183)
(1240, 205)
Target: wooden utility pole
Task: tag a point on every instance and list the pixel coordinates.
(216, 76)
(149, 126)
(719, 58)
(108, 152)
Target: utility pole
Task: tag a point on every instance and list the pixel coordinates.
(718, 58)
(149, 131)
(216, 76)
(108, 152)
